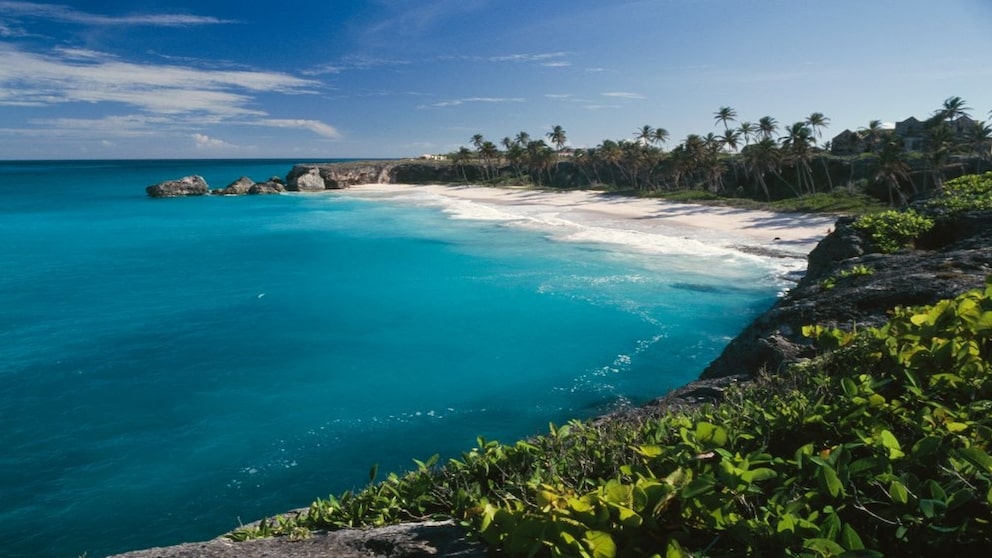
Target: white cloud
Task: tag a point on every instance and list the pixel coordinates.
(66, 14)
(315, 126)
(456, 102)
(77, 75)
(558, 95)
(561, 64)
(623, 95)
(205, 142)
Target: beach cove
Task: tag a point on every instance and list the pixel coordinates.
(143, 335)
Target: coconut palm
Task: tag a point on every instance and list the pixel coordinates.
(767, 126)
(893, 169)
(522, 138)
(539, 158)
(797, 143)
(952, 109)
(979, 140)
(747, 130)
(816, 122)
(762, 158)
(939, 147)
(488, 152)
(660, 135)
(477, 140)
(645, 135)
(557, 137)
(460, 158)
(725, 115)
(872, 134)
(731, 139)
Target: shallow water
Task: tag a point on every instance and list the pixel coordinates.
(171, 367)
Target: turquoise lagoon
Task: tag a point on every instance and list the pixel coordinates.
(170, 368)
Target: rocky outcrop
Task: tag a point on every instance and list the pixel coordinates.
(957, 256)
(270, 186)
(409, 540)
(239, 187)
(185, 186)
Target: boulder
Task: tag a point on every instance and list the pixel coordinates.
(239, 187)
(267, 187)
(185, 186)
(309, 181)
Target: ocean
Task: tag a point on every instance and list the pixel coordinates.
(170, 368)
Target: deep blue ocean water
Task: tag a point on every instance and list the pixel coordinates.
(171, 367)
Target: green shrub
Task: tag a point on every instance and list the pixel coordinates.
(891, 230)
(972, 192)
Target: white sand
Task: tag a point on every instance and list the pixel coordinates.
(594, 216)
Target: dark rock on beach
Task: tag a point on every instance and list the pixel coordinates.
(409, 540)
(185, 186)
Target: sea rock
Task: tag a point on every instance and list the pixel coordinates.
(268, 187)
(185, 186)
(958, 258)
(308, 181)
(239, 187)
(408, 540)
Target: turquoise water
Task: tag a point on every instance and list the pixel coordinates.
(169, 368)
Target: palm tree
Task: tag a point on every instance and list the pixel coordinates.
(797, 142)
(477, 140)
(645, 135)
(979, 138)
(747, 130)
(557, 137)
(610, 153)
(892, 167)
(539, 156)
(761, 158)
(816, 122)
(940, 146)
(488, 151)
(522, 138)
(731, 139)
(952, 109)
(459, 158)
(872, 134)
(725, 115)
(660, 135)
(767, 126)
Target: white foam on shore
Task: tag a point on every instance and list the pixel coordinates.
(628, 224)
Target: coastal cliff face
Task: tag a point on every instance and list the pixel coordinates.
(953, 258)
(334, 176)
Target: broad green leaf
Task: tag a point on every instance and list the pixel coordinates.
(628, 517)
(890, 442)
(830, 480)
(898, 493)
(711, 434)
(758, 475)
(673, 549)
(823, 547)
(850, 539)
(976, 457)
(601, 544)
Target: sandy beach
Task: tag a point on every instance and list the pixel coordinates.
(595, 216)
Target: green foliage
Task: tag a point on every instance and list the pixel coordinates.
(881, 446)
(971, 192)
(891, 230)
(859, 270)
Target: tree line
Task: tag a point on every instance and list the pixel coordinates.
(760, 156)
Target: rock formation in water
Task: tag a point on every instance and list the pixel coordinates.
(185, 186)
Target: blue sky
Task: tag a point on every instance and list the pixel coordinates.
(378, 78)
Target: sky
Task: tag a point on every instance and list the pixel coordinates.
(312, 79)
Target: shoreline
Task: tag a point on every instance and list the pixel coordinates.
(648, 224)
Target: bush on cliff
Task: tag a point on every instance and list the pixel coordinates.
(881, 445)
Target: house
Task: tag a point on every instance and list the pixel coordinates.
(847, 143)
(913, 133)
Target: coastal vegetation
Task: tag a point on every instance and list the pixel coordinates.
(765, 161)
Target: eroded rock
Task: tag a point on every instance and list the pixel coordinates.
(186, 186)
